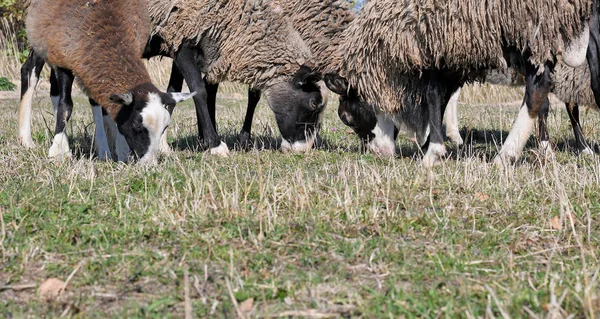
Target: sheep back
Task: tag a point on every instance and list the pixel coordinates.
(246, 41)
(101, 41)
(320, 24)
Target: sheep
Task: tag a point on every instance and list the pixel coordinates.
(108, 132)
(319, 23)
(101, 43)
(571, 86)
(414, 54)
(249, 42)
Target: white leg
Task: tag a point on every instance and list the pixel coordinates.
(164, 145)
(25, 110)
(102, 148)
(60, 147)
(518, 136)
(451, 119)
(383, 144)
(433, 155)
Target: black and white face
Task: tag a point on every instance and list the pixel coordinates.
(377, 132)
(142, 122)
(298, 105)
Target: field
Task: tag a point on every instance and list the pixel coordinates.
(332, 233)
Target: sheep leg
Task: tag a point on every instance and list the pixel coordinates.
(434, 99)
(30, 75)
(537, 88)
(211, 100)
(451, 119)
(60, 144)
(243, 137)
(186, 61)
(582, 145)
(102, 148)
(544, 146)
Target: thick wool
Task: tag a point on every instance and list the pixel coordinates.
(392, 41)
(246, 41)
(320, 24)
(572, 85)
(101, 41)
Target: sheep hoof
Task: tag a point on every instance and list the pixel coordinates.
(60, 147)
(243, 140)
(586, 151)
(455, 138)
(502, 160)
(27, 142)
(546, 149)
(434, 153)
(104, 155)
(221, 150)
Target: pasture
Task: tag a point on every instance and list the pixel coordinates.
(332, 233)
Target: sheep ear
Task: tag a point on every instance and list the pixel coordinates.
(336, 84)
(306, 75)
(124, 99)
(179, 97)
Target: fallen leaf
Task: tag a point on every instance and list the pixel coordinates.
(555, 223)
(247, 305)
(482, 197)
(51, 289)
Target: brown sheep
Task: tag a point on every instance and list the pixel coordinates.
(101, 43)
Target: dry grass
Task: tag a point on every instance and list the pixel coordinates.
(328, 234)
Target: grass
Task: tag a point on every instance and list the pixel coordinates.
(332, 233)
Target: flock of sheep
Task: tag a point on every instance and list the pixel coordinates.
(396, 66)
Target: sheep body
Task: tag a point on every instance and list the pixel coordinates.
(81, 34)
(250, 42)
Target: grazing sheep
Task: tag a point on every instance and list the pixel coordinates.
(101, 43)
(571, 86)
(320, 24)
(249, 42)
(415, 54)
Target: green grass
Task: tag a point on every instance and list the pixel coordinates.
(332, 233)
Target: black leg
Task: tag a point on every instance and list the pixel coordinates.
(186, 61)
(32, 66)
(434, 97)
(64, 80)
(175, 80)
(253, 99)
(543, 123)
(211, 90)
(573, 111)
